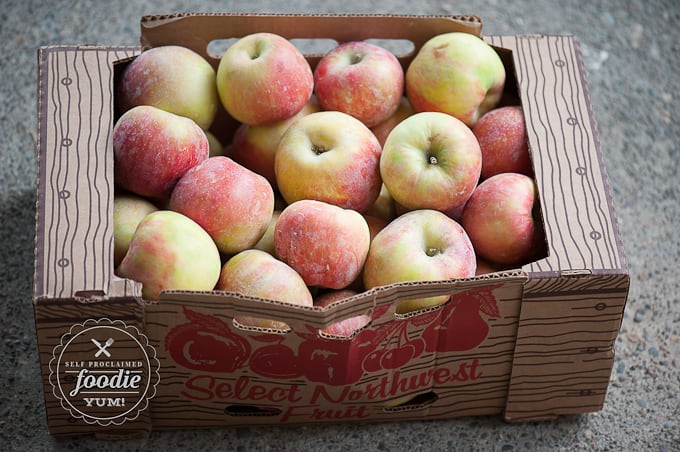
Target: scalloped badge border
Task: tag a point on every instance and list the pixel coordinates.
(142, 341)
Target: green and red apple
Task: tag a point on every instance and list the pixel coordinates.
(422, 245)
(153, 148)
(128, 211)
(255, 146)
(332, 157)
(501, 219)
(170, 251)
(431, 160)
(263, 78)
(258, 274)
(326, 244)
(233, 204)
(361, 79)
(456, 73)
(172, 78)
(502, 137)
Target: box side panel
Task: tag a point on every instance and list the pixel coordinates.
(565, 345)
(74, 237)
(458, 358)
(578, 216)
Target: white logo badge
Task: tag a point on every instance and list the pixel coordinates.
(104, 371)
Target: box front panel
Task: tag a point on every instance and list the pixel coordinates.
(456, 359)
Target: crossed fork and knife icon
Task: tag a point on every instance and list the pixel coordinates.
(102, 348)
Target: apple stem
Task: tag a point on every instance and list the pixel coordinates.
(432, 251)
(318, 150)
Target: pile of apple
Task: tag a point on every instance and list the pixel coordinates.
(349, 176)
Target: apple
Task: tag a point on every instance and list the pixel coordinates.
(233, 204)
(172, 78)
(329, 156)
(455, 73)
(382, 130)
(263, 78)
(170, 251)
(501, 219)
(266, 242)
(384, 206)
(326, 244)
(421, 245)
(258, 274)
(361, 79)
(431, 160)
(128, 211)
(502, 137)
(348, 326)
(255, 146)
(153, 148)
(214, 145)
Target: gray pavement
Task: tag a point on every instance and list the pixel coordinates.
(632, 55)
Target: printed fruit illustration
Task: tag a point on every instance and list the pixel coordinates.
(460, 326)
(206, 343)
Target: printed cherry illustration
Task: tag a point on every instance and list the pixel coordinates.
(461, 327)
(404, 351)
(206, 343)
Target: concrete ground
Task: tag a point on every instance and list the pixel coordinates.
(632, 55)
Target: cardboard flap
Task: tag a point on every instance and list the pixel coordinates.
(197, 31)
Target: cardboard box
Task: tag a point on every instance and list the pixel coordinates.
(538, 342)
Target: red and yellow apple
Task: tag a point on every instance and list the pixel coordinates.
(263, 78)
(501, 219)
(172, 78)
(170, 251)
(326, 244)
(455, 73)
(233, 204)
(422, 245)
(329, 156)
(258, 274)
(361, 79)
(128, 211)
(383, 129)
(255, 146)
(266, 242)
(348, 326)
(153, 148)
(431, 160)
(502, 137)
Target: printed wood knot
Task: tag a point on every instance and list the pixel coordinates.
(581, 171)
(560, 63)
(66, 81)
(600, 306)
(595, 235)
(66, 142)
(63, 262)
(572, 121)
(64, 194)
